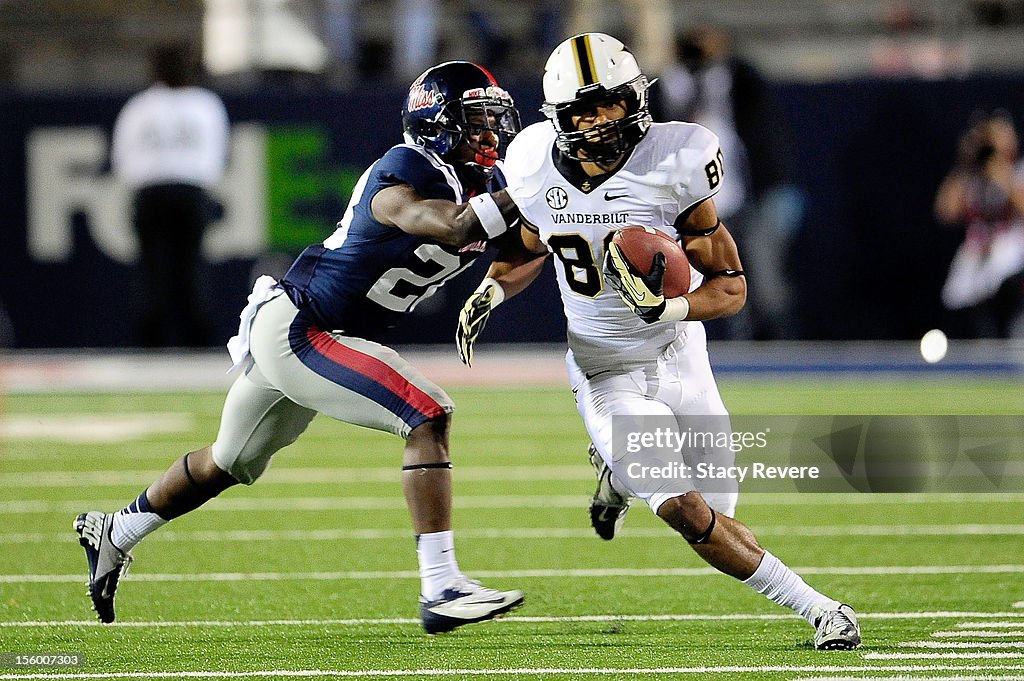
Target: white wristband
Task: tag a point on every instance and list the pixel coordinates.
(489, 214)
(676, 310)
(499, 293)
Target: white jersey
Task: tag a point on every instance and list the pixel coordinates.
(674, 167)
(168, 135)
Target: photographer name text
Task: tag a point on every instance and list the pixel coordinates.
(706, 471)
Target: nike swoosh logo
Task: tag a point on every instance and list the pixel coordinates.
(612, 197)
(638, 296)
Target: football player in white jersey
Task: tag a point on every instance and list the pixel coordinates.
(597, 165)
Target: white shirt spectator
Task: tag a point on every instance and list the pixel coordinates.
(167, 135)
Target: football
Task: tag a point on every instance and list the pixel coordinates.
(639, 244)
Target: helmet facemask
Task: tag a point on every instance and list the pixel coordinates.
(469, 120)
(609, 141)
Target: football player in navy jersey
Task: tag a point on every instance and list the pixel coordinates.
(309, 344)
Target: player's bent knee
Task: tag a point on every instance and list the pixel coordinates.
(205, 474)
(690, 516)
(435, 429)
(241, 469)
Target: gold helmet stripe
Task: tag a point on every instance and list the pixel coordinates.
(585, 68)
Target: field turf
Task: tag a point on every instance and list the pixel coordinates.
(311, 573)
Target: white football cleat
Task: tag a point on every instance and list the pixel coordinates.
(837, 629)
(107, 563)
(465, 601)
(607, 507)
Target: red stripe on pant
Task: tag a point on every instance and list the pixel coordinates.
(375, 370)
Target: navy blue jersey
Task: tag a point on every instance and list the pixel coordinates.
(366, 275)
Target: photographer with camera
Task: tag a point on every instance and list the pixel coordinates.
(984, 192)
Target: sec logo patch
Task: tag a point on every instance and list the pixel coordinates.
(556, 198)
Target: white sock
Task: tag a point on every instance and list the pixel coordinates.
(781, 585)
(134, 522)
(436, 553)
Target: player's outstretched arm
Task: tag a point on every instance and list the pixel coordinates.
(715, 255)
(516, 266)
(518, 261)
(483, 217)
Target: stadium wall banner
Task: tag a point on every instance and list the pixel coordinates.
(869, 155)
(69, 276)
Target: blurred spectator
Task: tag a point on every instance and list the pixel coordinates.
(416, 37)
(647, 23)
(342, 38)
(984, 192)
(911, 47)
(170, 146)
(758, 201)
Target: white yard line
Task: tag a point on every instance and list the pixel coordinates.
(1010, 624)
(682, 617)
(327, 503)
(889, 570)
(369, 533)
(961, 655)
(980, 633)
(943, 645)
(99, 428)
(297, 475)
(274, 504)
(373, 534)
(909, 677)
(524, 671)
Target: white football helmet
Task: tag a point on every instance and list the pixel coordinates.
(587, 69)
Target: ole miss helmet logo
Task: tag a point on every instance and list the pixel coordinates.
(421, 98)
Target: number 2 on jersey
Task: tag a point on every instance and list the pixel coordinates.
(387, 291)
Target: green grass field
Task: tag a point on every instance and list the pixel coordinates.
(310, 573)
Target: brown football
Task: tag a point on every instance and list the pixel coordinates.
(639, 244)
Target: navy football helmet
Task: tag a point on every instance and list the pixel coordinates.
(453, 102)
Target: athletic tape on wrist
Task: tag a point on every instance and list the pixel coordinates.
(489, 214)
(676, 310)
(499, 292)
